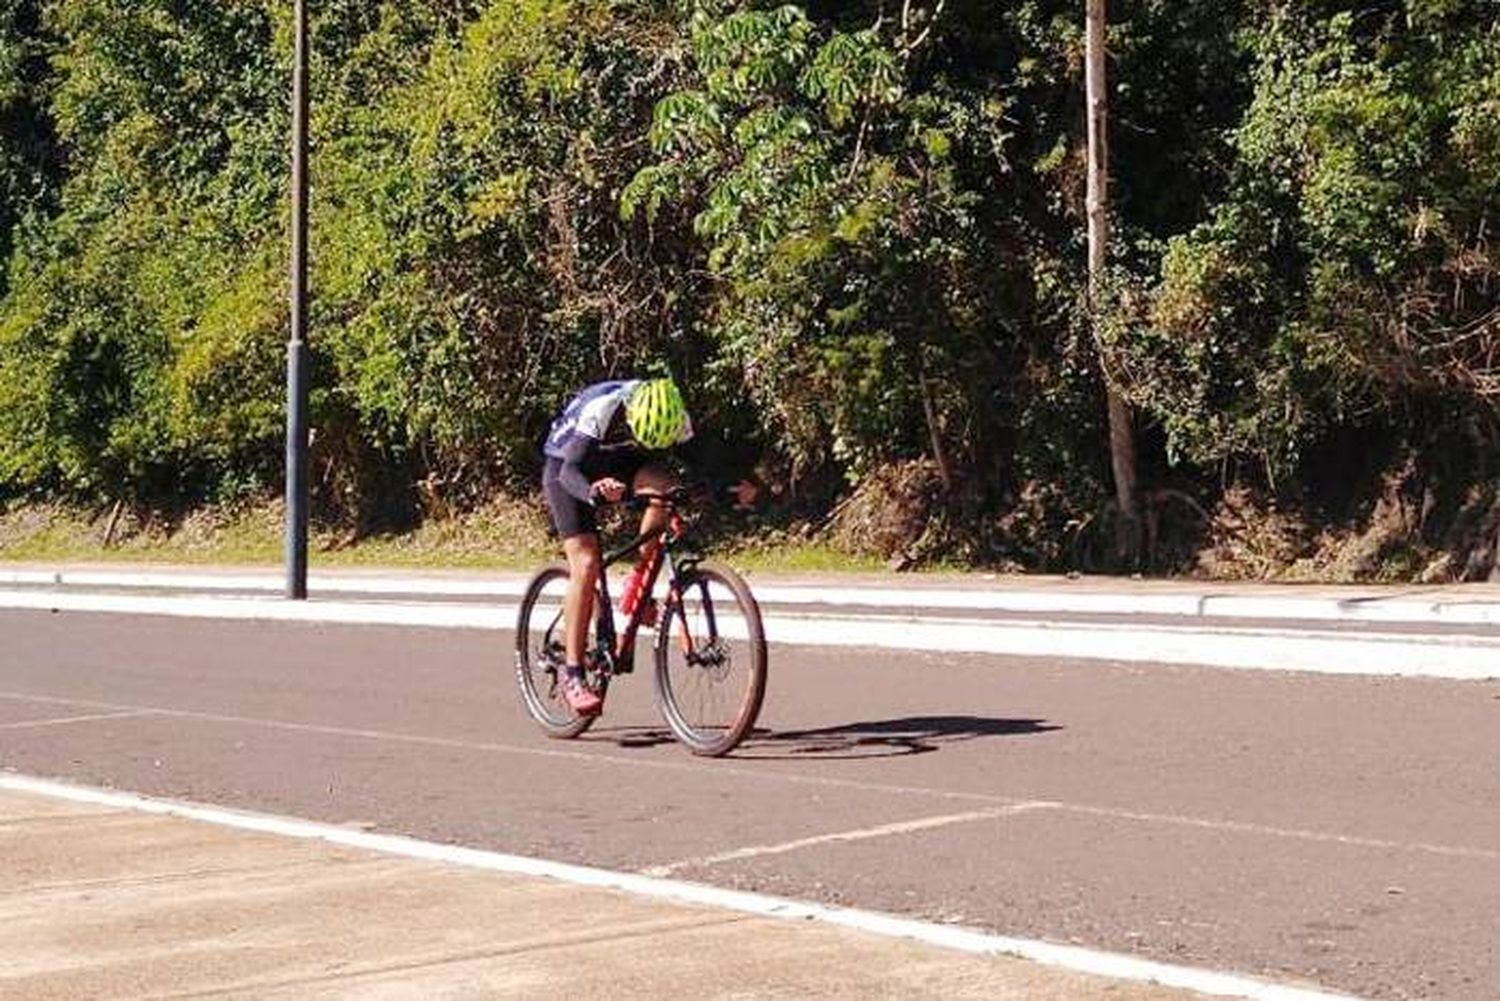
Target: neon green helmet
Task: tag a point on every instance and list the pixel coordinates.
(656, 414)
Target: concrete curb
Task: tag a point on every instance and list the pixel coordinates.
(1363, 605)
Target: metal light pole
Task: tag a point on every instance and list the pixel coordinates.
(296, 350)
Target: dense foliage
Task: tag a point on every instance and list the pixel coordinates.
(854, 231)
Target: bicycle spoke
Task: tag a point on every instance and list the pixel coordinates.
(711, 662)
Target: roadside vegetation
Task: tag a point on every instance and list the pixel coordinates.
(500, 535)
(854, 231)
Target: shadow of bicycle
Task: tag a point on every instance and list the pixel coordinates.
(886, 738)
(852, 741)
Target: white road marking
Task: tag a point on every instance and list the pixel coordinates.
(1464, 658)
(1357, 607)
(1457, 657)
(65, 720)
(262, 582)
(268, 610)
(1267, 830)
(838, 837)
(1004, 804)
(1112, 965)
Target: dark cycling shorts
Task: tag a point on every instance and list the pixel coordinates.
(571, 516)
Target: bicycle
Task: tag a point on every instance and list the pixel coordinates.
(707, 613)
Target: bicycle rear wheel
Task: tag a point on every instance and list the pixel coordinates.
(710, 660)
(541, 655)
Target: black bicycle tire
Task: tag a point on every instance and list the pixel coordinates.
(531, 699)
(755, 694)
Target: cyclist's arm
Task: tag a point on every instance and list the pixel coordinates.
(571, 475)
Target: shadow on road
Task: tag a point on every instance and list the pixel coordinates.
(887, 737)
(869, 739)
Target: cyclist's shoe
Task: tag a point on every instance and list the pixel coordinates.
(580, 698)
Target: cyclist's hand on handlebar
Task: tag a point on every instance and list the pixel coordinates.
(610, 490)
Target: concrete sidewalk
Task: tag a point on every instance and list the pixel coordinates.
(1430, 604)
(465, 580)
(100, 902)
(1450, 631)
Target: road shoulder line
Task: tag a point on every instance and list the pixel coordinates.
(1453, 657)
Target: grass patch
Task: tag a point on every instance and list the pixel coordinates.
(47, 533)
(797, 557)
(504, 535)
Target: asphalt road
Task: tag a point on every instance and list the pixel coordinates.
(1342, 830)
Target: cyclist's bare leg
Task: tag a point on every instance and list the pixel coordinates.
(584, 562)
(653, 479)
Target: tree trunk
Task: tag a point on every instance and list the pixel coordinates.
(1495, 566)
(1121, 425)
(934, 433)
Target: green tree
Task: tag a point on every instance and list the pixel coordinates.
(1347, 277)
(28, 169)
(855, 231)
(836, 230)
(164, 112)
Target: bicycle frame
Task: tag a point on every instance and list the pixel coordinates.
(620, 646)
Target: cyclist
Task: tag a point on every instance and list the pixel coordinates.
(604, 446)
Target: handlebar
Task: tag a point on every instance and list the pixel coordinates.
(676, 497)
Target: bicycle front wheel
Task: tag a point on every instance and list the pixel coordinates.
(710, 660)
(540, 656)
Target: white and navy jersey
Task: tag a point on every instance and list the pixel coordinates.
(588, 419)
(588, 415)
